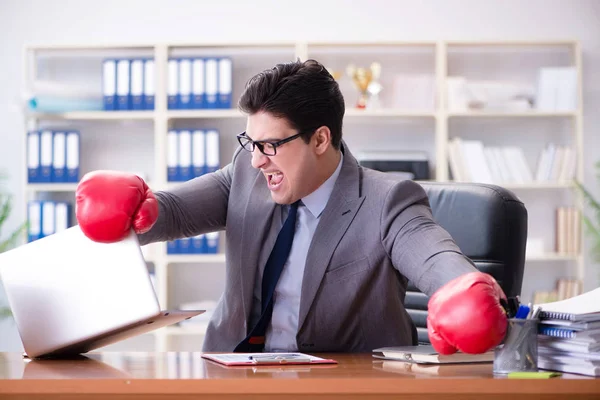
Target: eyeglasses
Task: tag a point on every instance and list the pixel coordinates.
(267, 148)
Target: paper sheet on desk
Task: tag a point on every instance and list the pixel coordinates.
(235, 359)
(586, 303)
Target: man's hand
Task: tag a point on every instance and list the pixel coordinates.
(466, 314)
(110, 203)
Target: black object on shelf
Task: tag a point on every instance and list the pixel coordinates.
(414, 165)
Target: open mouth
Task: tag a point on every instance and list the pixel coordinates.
(274, 179)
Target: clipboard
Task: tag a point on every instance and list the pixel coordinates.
(254, 359)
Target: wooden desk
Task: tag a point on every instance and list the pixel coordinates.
(186, 375)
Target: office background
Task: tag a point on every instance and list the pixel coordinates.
(63, 22)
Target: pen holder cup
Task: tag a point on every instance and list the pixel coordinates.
(519, 351)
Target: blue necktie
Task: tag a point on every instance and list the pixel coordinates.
(255, 341)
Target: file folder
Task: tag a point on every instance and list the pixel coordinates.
(73, 147)
(225, 83)
(137, 84)
(149, 84)
(212, 150)
(184, 245)
(198, 95)
(33, 157)
(185, 155)
(59, 158)
(48, 218)
(211, 82)
(172, 247)
(172, 156)
(264, 359)
(34, 217)
(212, 242)
(109, 84)
(62, 211)
(58, 104)
(172, 83)
(198, 153)
(46, 142)
(185, 83)
(123, 85)
(197, 246)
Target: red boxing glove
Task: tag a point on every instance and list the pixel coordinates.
(466, 314)
(110, 203)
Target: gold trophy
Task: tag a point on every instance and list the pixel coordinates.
(365, 81)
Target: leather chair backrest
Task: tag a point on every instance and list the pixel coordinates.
(489, 224)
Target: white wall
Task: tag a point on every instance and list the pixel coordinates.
(113, 21)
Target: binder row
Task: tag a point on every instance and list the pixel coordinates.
(128, 84)
(199, 83)
(52, 156)
(202, 244)
(46, 218)
(191, 153)
(557, 332)
(557, 315)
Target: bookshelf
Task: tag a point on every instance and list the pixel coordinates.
(95, 115)
(427, 128)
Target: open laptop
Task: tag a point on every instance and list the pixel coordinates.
(69, 294)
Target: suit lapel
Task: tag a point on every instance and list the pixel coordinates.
(344, 203)
(257, 234)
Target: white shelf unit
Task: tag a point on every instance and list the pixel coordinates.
(388, 128)
(96, 115)
(552, 257)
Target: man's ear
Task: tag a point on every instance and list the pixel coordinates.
(322, 139)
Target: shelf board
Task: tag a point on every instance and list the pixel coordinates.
(520, 114)
(195, 258)
(495, 43)
(203, 114)
(51, 187)
(96, 115)
(537, 185)
(352, 112)
(235, 113)
(91, 46)
(389, 112)
(55, 187)
(551, 257)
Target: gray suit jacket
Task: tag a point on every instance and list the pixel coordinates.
(375, 234)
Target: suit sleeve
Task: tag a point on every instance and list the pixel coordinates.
(419, 248)
(193, 207)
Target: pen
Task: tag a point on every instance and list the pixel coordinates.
(513, 306)
(530, 306)
(279, 356)
(279, 359)
(522, 312)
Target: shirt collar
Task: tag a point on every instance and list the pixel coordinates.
(317, 200)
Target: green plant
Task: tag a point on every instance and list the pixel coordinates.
(592, 225)
(12, 239)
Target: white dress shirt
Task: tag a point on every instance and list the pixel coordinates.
(281, 332)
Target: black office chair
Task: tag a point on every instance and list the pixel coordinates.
(489, 224)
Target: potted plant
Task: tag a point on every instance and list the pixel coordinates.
(10, 241)
(592, 225)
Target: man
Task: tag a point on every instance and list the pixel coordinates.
(319, 250)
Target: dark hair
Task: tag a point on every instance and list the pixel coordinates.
(304, 93)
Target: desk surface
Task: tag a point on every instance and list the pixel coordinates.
(187, 375)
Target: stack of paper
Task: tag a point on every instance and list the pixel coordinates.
(569, 335)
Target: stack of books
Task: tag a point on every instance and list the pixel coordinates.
(569, 335)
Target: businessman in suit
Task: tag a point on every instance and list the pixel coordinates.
(319, 249)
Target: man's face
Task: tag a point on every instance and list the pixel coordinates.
(291, 173)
